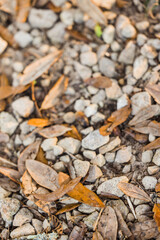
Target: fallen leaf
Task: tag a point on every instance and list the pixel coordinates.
(157, 188)
(54, 131)
(23, 10)
(156, 216)
(41, 156)
(74, 133)
(38, 67)
(99, 82)
(77, 35)
(6, 163)
(68, 208)
(2, 105)
(28, 184)
(6, 35)
(142, 138)
(122, 3)
(43, 174)
(133, 191)
(77, 233)
(6, 91)
(109, 195)
(98, 30)
(104, 129)
(82, 119)
(9, 185)
(56, 91)
(108, 224)
(29, 152)
(11, 173)
(39, 122)
(153, 145)
(153, 127)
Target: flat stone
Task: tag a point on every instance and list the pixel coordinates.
(149, 51)
(69, 117)
(84, 208)
(99, 160)
(86, 131)
(98, 117)
(140, 101)
(23, 216)
(110, 157)
(4, 233)
(23, 230)
(83, 71)
(108, 34)
(156, 157)
(140, 66)
(18, 66)
(3, 45)
(110, 146)
(155, 43)
(89, 154)
(38, 225)
(115, 46)
(119, 204)
(57, 33)
(114, 92)
(110, 186)
(141, 39)
(128, 53)
(49, 143)
(122, 101)
(23, 106)
(91, 110)
(149, 182)
(94, 140)
(67, 17)
(58, 3)
(153, 170)
(88, 58)
(107, 67)
(23, 38)
(79, 105)
(81, 167)
(142, 26)
(124, 27)
(9, 207)
(4, 193)
(98, 97)
(142, 209)
(124, 155)
(90, 220)
(70, 144)
(94, 173)
(57, 150)
(59, 167)
(8, 123)
(147, 156)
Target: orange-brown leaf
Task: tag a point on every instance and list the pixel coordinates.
(6, 35)
(68, 208)
(154, 91)
(54, 131)
(11, 173)
(99, 82)
(156, 216)
(142, 138)
(6, 91)
(41, 156)
(2, 105)
(157, 188)
(23, 10)
(77, 35)
(104, 129)
(122, 3)
(74, 133)
(39, 122)
(153, 145)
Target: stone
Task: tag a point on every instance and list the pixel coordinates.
(49, 143)
(18, 66)
(23, 106)
(23, 38)
(119, 204)
(149, 182)
(23, 230)
(99, 160)
(110, 157)
(3, 45)
(142, 26)
(4, 234)
(83, 71)
(42, 18)
(57, 33)
(46, 225)
(26, 128)
(127, 89)
(124, 155)
(94, 173)
(79, 105)
(98, 97)
(115, 46)
(153, 170)
(126, 169)
(149, 51)
(23, 216)
(110, 146)
(139, 101)
(98, 117)
(81, 167)
(114, 92)
(92, 90)
(128, 53)
(4, 193)
(67, 17)
(9, 207)
(88, 58)
(155, 43)
(89, 154)
(147, 156)
(70, 144)
(151, 137)
(122, 101)
(86, 131)
(69, 117)
(110, 186)
(84, 208)
(94, 140)
(91, 110)
(156, 157)
(59, 167)
(124, 27)
(141, 39)
(90, 220)
(58, 3)
(107, 67)
(65, 158)
(8, 123)
(140, 66)
(57, 150)
(108, 34)
(142, 209)
(38, 225)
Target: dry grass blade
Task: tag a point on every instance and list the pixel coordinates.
(68, 208)
(54, 131)
(6, 35)
(6, 163)
(65, 188)
(43, 174)
(154, 91)
(11, 173)
(39, 122)
(23, 10)
(99, 82)
(37, 68)
(133, 191)
(56, 91)
(153, 145)
(92, 10)
(77, 35)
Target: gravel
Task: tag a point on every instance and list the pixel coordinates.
(8, 123)
(156, 157)
(91, 110)
(140, 101)
(140, 66)
(57, 33)
(24, 230)
(99, 160)
(107, 67)
(81, 167)
(23, 106)
(23, 216)
(83, 71)
(94, 173)
(70, 144)
(108, 34)
(48, 144)
(149, 182)
(110, 146)
(147, 156)
(114, 92)
(88, 58)
(67, 17)
(23, 38)
(124, 155)
(127, 55)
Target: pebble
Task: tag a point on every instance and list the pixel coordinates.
(142, 26)
(110, 157)
(156, 157)
(140, 66)
(86, 131)
(153, 170)
(119, 204)
(81, 167)
(110, 146)
(3, 45)
(124, 27)
(128, 89)
(58, 3)
(26, 128)
(122, 101)
(4, 233)
(108, 34)
(94, 140)
(128, 53)
(126, 169)
(99, 96)
(59, 167)
(155, 43)
(84, 208)
(23, 106)
(114, 92)
(9, 207)
(70, 144)
(49, 143)
(110, 186)
(149, 182)
(141, 39)
(89, 154)
(92, 90)
(18, 66)
(98, 117)
(99, 160)
(149, 51)
(115, 46)
(24, 230)
(107, 67)
(139, 101)
(23, 38)
(23, 216)
(90, 220)
(38, 225)
(79, 105)
(46, 225)
(57, 33)
(151, 137)
(124, 155)
(65, 158)
(91, 110)
(69, 117)
(83, 71)
(57, 150)
(88, 58)
(67, 17)
(23, 26)
(4, 193)
(8, 123)
(142, 209)
(94, 173)
(147, 156)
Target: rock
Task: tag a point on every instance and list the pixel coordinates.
(90, 220)
(84, 208)
(23, 106)
(142, 26)
(119, 204)
(114, 92)
(110, 157)
(91, 110)
(70, 144)
(139, 101)
(89, 154)
(153, 170)
(99, 160)
(23, 38)
(124, 27)
(128, 89)
(86, 131)
(88, 58)
(4, 234)
(49, 143)
(149, 51)
(110, 186)
(57, 150)
(42, 18)
(122, 101)
(94, 173)
(110, 146)
(149, 182)
(46, 225)
(141, 39)
(4, 193)
(56, 34)
(83, 71)
(94, 140)
(26, 128)
(38, 225)
(92, 90)
(65, 159)
(147, 156)
(99, 97)
(59, 167)
(126, 169)
(140, 66)
(24, 230)
(142, 209)
(156, 157)
(67, 17)
(124, 155)
(9, 207)
(108, 4)
(115, 46)
(69, 117)
(151, 137)
(107, 67)
(58, 3)
(18, 66)
(81, 167)
(79, 105)
(3, 45)
(108, 34)
(8, 124)
(22, 217)
(98, 117)
(128, 53)
(155, 43)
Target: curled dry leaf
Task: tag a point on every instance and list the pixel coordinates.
(99, 82)
(154, 91)
(109, 195)
(9, 185)
(28, 184)
(39, 122)
(104, 129)
(74, 133)
(142, 138)
(77, 35)
(6, 163)
(156, 216)
(29, 152)
(23, 10)
(65, 188)
(108, 224)
(68, 208)
(153, 127)
(56, 91)
(157, 188)
(153, 145)
(38, 67)
(43, 174)
(54, 131)
(11, 173)
(6, 35)
(133, 191)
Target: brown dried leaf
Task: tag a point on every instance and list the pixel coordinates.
(157, 188)
(28, 184)
(152, 127)
(43, 174)
(142, 138)
(77, 233)
(2, 105)
(11, 173)
(56, 91)
(122, 3)
(39, 122)
(6, 163)
(29, 152)
(133, 191)
(6, 91)
(77, 35)
(38, 67)
(23, 10)
(109, 195)
(108, 224)
(74, 133)
(153, 145)
(104, 129)
(41, 156)
(97, 236)
(68, 208)
(156, 216)
(6, 35)
(54, 131)
(99, 82)
(9, 185)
